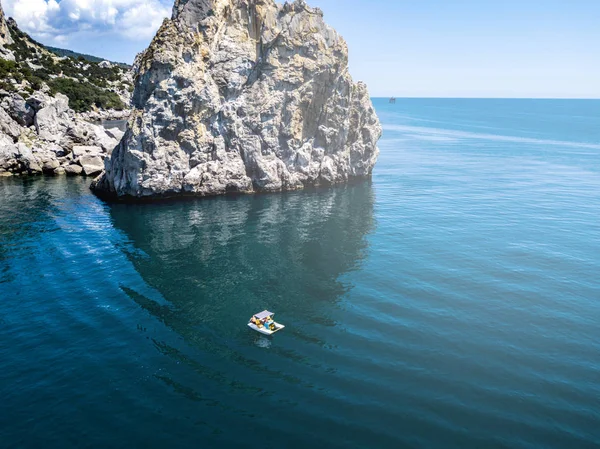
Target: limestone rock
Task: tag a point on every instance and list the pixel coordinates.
(39, 133)
(52, 116)
(115, 133)
(99, 137)
(8, 126)
(73, 169)
(243, 96)
(50, 165)
(100, 115)
(8, 153)
(6, 54)
(55, 137)
(88, 134)
(92, 165)
(80, 150)
(18, 109)
(5, 141)
(17, 158)
(5, 38)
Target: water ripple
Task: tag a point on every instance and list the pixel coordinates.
(452, 302)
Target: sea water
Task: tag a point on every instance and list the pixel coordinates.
(451, 302)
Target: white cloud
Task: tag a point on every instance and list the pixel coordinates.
(61, 21)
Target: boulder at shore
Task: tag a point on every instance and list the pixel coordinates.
(42, 135)
(243, 96)
(39, 132)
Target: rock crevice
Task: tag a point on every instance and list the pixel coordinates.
(243, 96)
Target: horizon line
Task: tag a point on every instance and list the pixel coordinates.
(484, 98)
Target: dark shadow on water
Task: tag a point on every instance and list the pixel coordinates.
(219, 260)
(197, 270)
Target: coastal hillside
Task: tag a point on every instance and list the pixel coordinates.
(28, 66)
(47, 103)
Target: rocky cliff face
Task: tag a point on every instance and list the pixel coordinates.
(5, 38)
(4, 34)
(243, 96)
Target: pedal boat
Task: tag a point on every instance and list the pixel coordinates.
(263, 322)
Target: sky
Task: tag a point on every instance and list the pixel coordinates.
(405, 48)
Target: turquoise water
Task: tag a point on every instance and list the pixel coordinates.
(452, 302)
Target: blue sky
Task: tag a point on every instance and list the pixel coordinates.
(419, 48)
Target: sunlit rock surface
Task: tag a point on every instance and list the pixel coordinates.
(243, 96)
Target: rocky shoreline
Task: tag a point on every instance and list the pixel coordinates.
(40, 131)
(42, 135)
(247, 98)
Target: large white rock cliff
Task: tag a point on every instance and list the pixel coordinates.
(5, 38)
(243, 96)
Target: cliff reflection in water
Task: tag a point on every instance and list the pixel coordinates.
(217, 261)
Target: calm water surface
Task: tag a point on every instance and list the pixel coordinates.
(454, 302)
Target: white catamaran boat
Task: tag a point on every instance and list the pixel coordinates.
(263, 322)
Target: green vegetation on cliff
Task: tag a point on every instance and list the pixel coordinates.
(82, 96)
(90, 58)
(88, 84)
